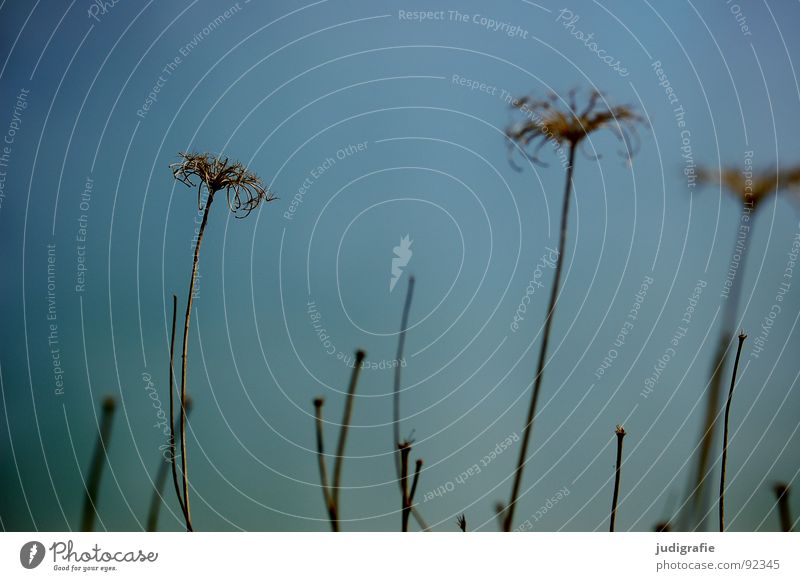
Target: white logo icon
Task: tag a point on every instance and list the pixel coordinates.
(402, 254)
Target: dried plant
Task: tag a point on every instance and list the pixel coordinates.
(781, 490)
(750, 191)
(549, 121)
(331, 493)
(620, 432)
(461, 521)
(408, 494)
(161, 475)
(724, 462)
(244, 192)
(401, 342)
(96, 467)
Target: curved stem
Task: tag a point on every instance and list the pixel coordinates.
(715, 383)
(742, 337)
(186, 321)
(617, 477)
(523, 454)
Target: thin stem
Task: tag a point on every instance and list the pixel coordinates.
(782, 493)
(405, 450)
(172, 407)
(620, 431)
(96, 467)
(523, 453)
(323, 470)
(742, 337)
(161, 479)
(401, 342)
(186, 321)
(715, 383)
(348, 413)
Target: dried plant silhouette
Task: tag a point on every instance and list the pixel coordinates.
(620, 432)
(461, 521)
(331, 493)
(244, 192)
(724, 462)
(750, 192)
(781, 490)
(96, 467)
(161, 476)
(546, 121)
(408, 494)
(401, 343)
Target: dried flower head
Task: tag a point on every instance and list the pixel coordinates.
(620, 431)
(244, 190)
(751, 187)
(551, 120)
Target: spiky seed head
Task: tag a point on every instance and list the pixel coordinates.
(755, 187)
(208, 173)
(559, 122)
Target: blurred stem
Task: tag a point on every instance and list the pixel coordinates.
(782, 493)
(96, 467)
(727, 330)
(523, 453)
(742, 337)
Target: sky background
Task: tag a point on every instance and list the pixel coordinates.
(285, 86)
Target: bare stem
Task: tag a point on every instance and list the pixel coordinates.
(523, 453)
(401, 342)
(620, 431)
(187, 318)
(323, 471)
(742, 337)
(96, 467)
(172, 408)
(782, 493)
(699, 489)
(161, 477)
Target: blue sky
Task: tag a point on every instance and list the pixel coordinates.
(366, 107)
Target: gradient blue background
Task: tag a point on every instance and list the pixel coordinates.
(284, 85)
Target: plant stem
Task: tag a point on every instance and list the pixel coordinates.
(715, 383)
(617, 476)
(348, 413)
(187, 318)
(742, 337)
(523, 454)
(323, 471)
(782, 492)
(96, 467)
(172, 407)
(401, 342)
(161, 477)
